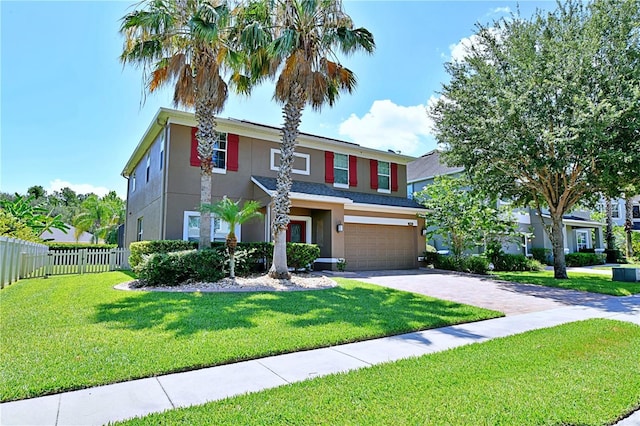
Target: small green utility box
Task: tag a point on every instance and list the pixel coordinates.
(626, 274)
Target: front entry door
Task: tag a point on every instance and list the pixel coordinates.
(297, 232)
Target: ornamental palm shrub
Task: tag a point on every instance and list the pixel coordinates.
(230, 212)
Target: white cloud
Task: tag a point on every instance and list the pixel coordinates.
(79, 188)
(460, 50)
(501, 10)
(389, 126)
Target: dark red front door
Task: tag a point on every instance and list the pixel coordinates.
(297, 232)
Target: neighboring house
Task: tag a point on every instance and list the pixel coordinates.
(349, 200)
(618, 211)
(60, 237)
(580, 232)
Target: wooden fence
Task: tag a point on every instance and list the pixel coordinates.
(23, 259)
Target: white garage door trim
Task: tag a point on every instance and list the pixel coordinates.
(368, 220)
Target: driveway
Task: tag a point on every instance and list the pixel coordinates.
(506, 297)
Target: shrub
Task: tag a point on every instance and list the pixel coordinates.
(542, 255)
(450, 263)
(140, 248)
(57, 246)
(476, 264)
(301, 256)
(174, 268)
(430, 257)
(516, 262)
(584, 259)
(473, 264)
(613, 255)
(256, 255)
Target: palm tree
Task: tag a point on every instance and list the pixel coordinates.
(99, 216)
(304, 38)
(182, 42)
(230, 212)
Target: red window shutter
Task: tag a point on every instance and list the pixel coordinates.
(328, 167)
(233, 142)
(195, 161)
(394, 177)
(353, 170)
(374, 173)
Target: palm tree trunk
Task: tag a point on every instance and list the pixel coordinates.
(206, 137)
(232, 243)
(628, 226)
(292, 113)
(557, 243)
(609, 233)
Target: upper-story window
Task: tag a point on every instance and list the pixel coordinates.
(341, 170)
(220, 152)
(635, 212)
(225, 152)
(615, 210)
(301, 162)
(162, 152)
(133, 182)
(384, 176)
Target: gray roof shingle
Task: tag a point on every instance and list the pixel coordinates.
(429, 165)
(312, 188)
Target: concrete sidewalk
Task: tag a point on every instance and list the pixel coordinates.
(100, 405)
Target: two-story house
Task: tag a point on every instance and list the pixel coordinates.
(618, 212)
(580, 232)
(349, 200)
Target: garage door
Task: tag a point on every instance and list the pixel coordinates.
(375, 247)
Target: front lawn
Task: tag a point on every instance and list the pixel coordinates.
(75, 331)
(594, 283)
(622, 265)
(583, 373)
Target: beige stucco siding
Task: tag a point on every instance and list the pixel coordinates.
(146, 200)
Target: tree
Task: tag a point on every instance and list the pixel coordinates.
(182, 43)
(99, 216)
(12, 227)
(463, 217)
(546, 111)
(230, 212)
(304, 37)
(36, 218)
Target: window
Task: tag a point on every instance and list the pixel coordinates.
(410, 191)
(220, 151)
(582, 239)
(615, 210)
(635, 212)
(148, 168)
(341, 170)
(161, 152)
(384, 176)
(300, 162)
(139, 229)
(133, 182)
(219, 228)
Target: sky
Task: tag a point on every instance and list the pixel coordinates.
(71, 114)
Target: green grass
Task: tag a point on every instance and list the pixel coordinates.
(594, 283)
(622, 265)
(582, 373)
(76, 331)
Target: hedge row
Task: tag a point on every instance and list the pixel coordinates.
(169, 262)
(480, 264)
(585, 259)
(57, 246)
